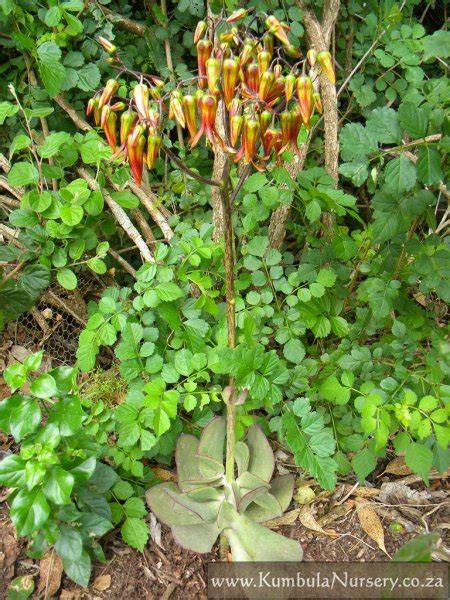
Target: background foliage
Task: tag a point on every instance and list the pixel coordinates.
(342, 337)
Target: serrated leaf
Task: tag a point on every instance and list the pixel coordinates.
(135, 533)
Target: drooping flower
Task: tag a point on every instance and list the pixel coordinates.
(109, 90)
(325, 61)
(204, 51)
(305, 98)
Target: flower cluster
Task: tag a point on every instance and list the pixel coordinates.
(265, 98)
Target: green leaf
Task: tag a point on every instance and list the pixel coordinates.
(58, 485)
(399, 175)
(419, 459)
(29, 511)
(71, 214)
(356, 171)
(135, 507)
(23, 173)
(25, 418)
(357, 141)
(7, 109)
(53, 16)
(12, 471)
(52, 144)
(51, 70)
(43, 386)
(21, 588)
(69, 544)
(437, 45)
(135, 533)
(79, 570)
(363, 463)
(67, 279)
(168, 291)
(383, 124)
(419, 549)
(89, 77)
(428, 165)
(413, 119)
(294, 351)
(313, 211)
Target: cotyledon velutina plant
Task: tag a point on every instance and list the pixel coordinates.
(204, 505)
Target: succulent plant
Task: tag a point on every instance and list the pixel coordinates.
(203, 505)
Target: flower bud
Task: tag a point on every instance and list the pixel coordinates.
(289, 85)
(141, 96)
(212, 73)
(265, 118)
(135, 150)
(237, 15)
(176, 108)
(93, 102)
(263, 58)
(107, 45)
(235, 107)
(311, 56)
(128, 120)
(276, 28)
(189, 110)
(252, 77)
(110, 89)
(292, 51)
(200, 30)
(236, 122)
(110, 130)
(118, 106)
(317, 102)
(305, 98)
(246, 53)
(270, 140)
(277, 70)
(230, 70)
(153, 146)
(325, 61)
(267, 40)
(104, 115)
(265, 84)
(249, 138)
(204, 50)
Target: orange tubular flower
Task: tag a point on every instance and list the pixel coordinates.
(271, 140)
(153, 146)
(135, 150)
(208, 109)
(92, 107)
(128, 120)
(292, 51)
(230, 75)
(305, 98)
(237, 15)
(212, 74)
(246, 53)
(176, 108)
(104, 115)
(276, 91)
(118, 106)
(276, 28)
(250, 136)
(107, 45)
(141, 97)
(265, 85)
(235, 107)
(317, 102)
(277, 70)
(199, 30)
(325, 61)
(204, 50)
(289, 85)
(110, 89)
(267, 40)
(110, 130)
(189, 111)
(235, 128)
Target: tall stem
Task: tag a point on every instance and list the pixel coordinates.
(230, 308)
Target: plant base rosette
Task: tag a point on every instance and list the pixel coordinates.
(203, 505)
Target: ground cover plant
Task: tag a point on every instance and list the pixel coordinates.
(259, 194)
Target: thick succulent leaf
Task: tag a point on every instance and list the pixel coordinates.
(198, 538)
(247, 481)
(280, 498)
(209, 467)
(262, 462)
(242, 457)
(283, 489)
(186, 459)
(250, 497)
(212, 444)
(174, 508)
(250, 541)
(204, 493)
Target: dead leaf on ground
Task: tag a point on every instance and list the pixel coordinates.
(397, 466)
(286, 519)
(71, 594)
(155, 530)
(164, 474)
(50, 573)
(307, 519)
(9, 550)
(395, 492)
(370, 522)
(102, 582)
